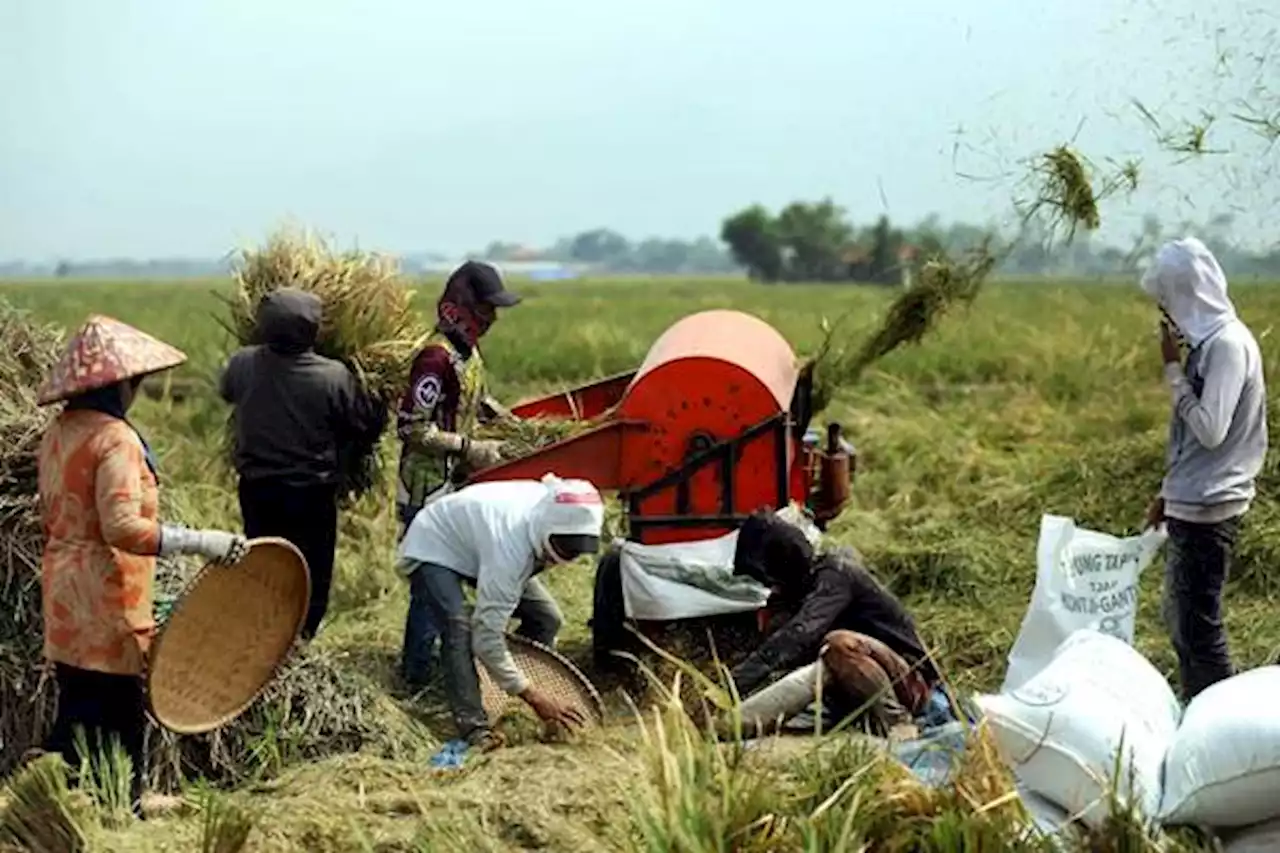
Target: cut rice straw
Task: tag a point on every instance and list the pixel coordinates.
(942, 285)
(1068, 190)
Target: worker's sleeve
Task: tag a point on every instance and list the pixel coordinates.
(1208, 416)
(498, 592)
(227, 381)
(363, 416)
(118, 497)
(416, 418)
(787, 647)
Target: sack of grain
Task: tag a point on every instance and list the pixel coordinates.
(1223, 767)
(1259, 838)
(1084, 579)
(1098, 706)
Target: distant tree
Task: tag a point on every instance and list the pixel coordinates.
(886, 243)
(815, 236)
(600, 246)
(752, 238)
(62, 270)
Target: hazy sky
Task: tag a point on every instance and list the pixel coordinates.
(147, 128)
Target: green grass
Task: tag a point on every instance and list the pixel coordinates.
(1043, 398)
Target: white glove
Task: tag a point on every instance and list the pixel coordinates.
(481, 453)
(218, 546)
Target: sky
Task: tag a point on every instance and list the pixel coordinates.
(145, 128)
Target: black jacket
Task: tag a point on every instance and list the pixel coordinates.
(839, 594)
(296, 412)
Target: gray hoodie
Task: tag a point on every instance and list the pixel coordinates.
(296, 411)
(1218, 428)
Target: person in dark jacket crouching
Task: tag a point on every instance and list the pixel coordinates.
(874, 659)
(297, 415)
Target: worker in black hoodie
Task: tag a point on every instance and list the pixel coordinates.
(867, 640)
(297, 415)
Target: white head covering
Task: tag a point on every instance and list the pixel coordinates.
(1190, 286)
(570, 507)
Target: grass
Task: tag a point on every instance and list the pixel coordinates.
(1045, 398)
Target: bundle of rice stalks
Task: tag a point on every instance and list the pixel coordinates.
(522, 436)
(941, 285)
(319, 705)
(369, 323)
(1068, 190)
(42, 815)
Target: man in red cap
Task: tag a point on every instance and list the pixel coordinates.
(446, 399)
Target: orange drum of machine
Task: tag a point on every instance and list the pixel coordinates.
(712, 426)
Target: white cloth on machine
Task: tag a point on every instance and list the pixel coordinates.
(689, 580)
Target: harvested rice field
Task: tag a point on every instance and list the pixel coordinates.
(1036, 397)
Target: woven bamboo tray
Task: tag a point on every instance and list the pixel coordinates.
(228, 634)
(551, 672)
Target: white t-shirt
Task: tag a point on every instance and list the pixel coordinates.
(493, 533)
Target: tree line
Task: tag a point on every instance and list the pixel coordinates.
(804, 241)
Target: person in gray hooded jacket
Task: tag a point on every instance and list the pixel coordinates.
(1217, 444)
(297, 416)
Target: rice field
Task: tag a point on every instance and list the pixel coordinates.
(1042, 397)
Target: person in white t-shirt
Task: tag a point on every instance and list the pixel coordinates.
(497, 537)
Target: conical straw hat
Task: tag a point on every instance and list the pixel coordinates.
(104, 352)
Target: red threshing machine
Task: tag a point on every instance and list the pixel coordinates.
(711, 427)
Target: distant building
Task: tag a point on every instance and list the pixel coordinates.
(538, 270)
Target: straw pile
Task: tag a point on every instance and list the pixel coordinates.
(319, 705)
(941, 285)
(28, 350)
(42, 815)
(369, 323)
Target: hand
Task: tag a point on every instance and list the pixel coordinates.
(482, 453)
(1169, 348)
(551, 711)
(222, 548)
(1155, 513)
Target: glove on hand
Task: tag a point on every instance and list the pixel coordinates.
(220, 547)
(482, 454)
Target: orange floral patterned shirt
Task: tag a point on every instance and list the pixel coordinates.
(99, 505)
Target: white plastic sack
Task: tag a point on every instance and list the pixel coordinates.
(1223, 768)
(1062, 731)
(648, 594)
(1259, 838)
(1084, 579)
(688, 580)
(1048, 821)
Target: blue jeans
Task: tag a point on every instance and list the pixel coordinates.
(438, 591)
(1197, 564)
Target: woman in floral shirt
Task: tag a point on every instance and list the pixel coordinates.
(98, 500)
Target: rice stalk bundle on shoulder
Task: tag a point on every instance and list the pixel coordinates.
(369, 321)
